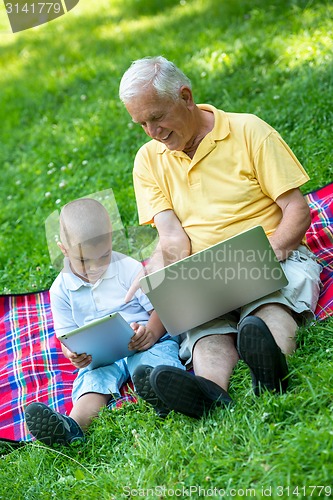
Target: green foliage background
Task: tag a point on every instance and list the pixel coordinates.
(64, 133)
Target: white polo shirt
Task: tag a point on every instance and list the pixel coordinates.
(75, 302)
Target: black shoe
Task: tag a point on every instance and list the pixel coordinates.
(50, 427)
(257, 347)
(186, 393)
(141, 381)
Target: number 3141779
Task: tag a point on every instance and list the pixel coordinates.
(304, 491)
(33, 8)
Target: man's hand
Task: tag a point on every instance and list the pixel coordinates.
(134, 287)
(143, 337)
(173, 245)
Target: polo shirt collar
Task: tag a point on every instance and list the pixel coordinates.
(73, 282)
(220, 131)
(221, 122)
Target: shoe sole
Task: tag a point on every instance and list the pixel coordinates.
(258, 349)
(144, 389)
(181, 391)
(44, 424)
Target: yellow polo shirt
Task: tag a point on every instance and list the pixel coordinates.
(230, 185)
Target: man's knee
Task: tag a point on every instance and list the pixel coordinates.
(281, 323)
(216, 344)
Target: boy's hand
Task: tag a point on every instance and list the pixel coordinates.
(78, 360)
(143, 338)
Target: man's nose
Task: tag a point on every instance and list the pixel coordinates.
(153, 130)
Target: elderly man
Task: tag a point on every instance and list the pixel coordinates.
(207, 175)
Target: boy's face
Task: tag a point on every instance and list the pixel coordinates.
(89, 260)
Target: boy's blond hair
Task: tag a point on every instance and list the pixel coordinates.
(82, 221)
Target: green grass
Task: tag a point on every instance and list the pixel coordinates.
(64, 134)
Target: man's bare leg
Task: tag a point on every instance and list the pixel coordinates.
(214, 358)
(282, 325)
(264, 338)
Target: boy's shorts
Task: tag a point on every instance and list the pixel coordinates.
(109, 379)
(300, 296)
(104, 380)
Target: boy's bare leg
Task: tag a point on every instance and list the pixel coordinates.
(214, 358)
(87, 407)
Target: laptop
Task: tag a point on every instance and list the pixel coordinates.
(214, 281)
(105, 339)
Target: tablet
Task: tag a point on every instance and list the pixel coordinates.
(105, 339)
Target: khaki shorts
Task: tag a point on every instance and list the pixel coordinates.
(300, 296)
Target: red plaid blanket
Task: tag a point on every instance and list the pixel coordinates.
(32, 366)
(31, 363)
(319, 237)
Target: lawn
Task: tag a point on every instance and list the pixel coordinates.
(64, 134)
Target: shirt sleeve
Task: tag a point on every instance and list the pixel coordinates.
(277, 168)
(150, 198)
(61, 311)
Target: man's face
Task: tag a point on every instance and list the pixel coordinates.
(164, 119)
(90, 261)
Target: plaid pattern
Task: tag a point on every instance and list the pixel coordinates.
(319, 238)
(32, 366)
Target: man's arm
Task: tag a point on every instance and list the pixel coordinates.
(173, 245)
(295, 221)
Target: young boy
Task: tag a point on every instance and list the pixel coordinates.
(93, 284)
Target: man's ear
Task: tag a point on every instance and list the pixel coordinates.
(62, 248)
(186, 95)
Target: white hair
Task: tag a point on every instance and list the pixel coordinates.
(156, 72)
